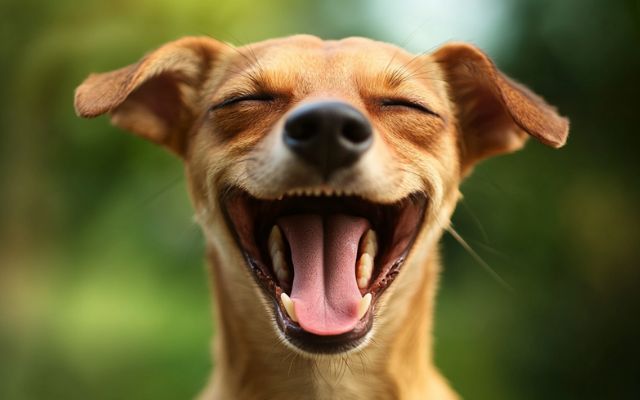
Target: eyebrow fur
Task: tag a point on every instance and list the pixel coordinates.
(395, 77)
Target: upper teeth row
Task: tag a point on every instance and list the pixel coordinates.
(319, 191)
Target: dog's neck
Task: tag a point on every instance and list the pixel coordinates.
(252, 363)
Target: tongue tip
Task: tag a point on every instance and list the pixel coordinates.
(337, 324)
(328, 331)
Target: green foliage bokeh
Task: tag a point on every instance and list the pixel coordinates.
(103, 290)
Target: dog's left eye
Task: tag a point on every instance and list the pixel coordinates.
(407, 104)
(258, 97)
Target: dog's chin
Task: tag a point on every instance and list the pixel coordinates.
(324, 258)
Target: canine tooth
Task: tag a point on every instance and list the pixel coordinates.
(364, 270)
(365, 302)
(370, 243)
(291, 311)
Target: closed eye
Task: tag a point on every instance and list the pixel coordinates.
(258, 97)
(398, 102)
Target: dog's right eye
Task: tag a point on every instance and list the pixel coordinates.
(258, 97)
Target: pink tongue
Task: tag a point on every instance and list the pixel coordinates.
(324, 250)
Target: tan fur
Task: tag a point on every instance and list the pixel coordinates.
(166, 98)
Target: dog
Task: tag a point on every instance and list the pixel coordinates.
(323, 174)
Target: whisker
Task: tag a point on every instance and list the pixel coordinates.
(363, 363)
(154, 196)
(293, 360)
(475, 219)
(492, 250)
(413, 33)
(478, 259)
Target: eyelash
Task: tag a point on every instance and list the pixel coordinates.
(247, 97)
(407, 104)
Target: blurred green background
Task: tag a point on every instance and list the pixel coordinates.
(103, 291)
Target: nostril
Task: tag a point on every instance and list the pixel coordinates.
(356, 131)
(301, 129)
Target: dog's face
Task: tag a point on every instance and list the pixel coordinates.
(321, 171)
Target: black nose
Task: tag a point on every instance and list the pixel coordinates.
(328, 135)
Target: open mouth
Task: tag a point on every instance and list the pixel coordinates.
(324, 259)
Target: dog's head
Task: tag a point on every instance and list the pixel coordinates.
(314, 166)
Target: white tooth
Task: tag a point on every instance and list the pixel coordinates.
(275, 240)
(365, 302)
(291, 311)
(370, 243)
(364, 270)
(280, 267)
(276, 250)
(317, 192)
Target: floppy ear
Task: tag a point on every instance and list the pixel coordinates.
(155, 97)
(495, 114)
